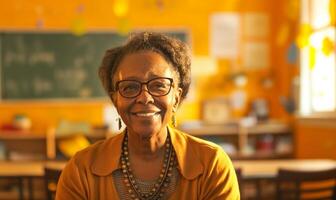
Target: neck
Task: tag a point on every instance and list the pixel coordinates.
(147, 148)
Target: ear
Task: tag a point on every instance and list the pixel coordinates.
(113, 97)
(177, 99)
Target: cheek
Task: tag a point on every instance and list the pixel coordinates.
(122, 106)
(167, 106)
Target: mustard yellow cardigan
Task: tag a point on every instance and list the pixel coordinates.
(206, 171)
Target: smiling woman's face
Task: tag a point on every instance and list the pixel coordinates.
(145, 114)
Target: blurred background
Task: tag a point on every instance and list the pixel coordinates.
(263, 73)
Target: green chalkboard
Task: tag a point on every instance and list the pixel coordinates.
(54, 65)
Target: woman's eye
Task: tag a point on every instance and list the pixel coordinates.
(158, 85)
(130, 88)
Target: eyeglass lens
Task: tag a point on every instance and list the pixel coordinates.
(156, 87)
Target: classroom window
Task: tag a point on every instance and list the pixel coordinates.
(318, 60)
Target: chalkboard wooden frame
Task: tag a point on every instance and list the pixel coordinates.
(6, 59)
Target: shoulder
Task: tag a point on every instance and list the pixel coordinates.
(95, 151)
(85, 155)
(78, 173)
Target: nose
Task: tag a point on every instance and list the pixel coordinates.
(144, 96)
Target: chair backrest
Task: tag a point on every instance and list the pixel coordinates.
(51, 176)
(312, 185)
(240, 180)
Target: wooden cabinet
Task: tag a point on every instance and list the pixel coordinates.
(23, 145)
(268, 140)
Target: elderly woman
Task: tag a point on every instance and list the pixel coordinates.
(147, 79)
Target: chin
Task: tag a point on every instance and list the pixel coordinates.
(147, 131)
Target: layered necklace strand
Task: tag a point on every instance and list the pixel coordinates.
(159, 187)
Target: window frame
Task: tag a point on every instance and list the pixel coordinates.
(306, 107)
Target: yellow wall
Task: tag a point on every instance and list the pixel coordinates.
(189, 14)
(44, 114)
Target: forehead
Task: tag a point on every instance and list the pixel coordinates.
(143, 65)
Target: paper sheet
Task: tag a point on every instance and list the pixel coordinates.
(224, 35)
(203, 65)
(256, 55)
(256, 25)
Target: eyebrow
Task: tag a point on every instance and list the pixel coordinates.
(151, 75)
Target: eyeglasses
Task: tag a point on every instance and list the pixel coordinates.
(157, 87)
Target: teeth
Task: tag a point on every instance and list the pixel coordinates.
(145, 114)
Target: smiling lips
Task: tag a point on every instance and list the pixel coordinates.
(145, 113)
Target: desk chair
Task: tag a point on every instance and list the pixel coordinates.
(312, 185)
(240, 180)
(51, 177)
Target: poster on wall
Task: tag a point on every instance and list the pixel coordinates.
(201, 66)
(251, 20)
(224, 35)
(256, 55)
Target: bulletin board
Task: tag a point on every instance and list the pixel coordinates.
(50, 65)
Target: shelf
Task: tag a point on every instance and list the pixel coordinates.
(269, 128)
(235, 138)
(20, 135)
(261, 156)
(212, 130)
(26, 145)
(97, 135)
(262, 128)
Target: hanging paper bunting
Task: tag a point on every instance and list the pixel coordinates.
(160, 4)
(123, 26)
(283, 34)
(39, 10)
(78, 26)
(302, 39)
(312, 57)
(120, 8)
(292, 54)
(332, 12)
(327, 46)
(292, 9)
(39, 23)
(80, 8)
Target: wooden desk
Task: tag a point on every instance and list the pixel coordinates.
(26, 170)
(269, 168)
(256, 171)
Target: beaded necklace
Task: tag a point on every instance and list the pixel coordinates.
(159, 188)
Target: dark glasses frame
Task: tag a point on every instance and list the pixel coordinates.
(144, 83)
